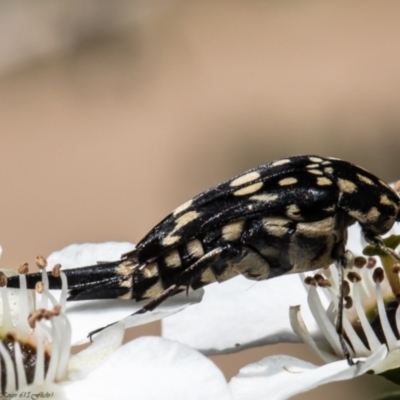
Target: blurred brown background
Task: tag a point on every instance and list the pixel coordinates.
(113, 113)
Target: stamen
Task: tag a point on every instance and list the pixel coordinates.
(300, 329)
(372, 339)
(359, 348)
(41, 262)
(10, 384)
(309, 280)
(323, 321)
(396, 268)
(55, 350)
(321, 280)
(65, 347)
(6, 323)
(3, 279)
(19, 365)
(378, 275)
(39, 287)
(56, 270)
(22, 325)
(23, 268)
(371, 262)
(324, 283)
(360, 261)
(39, 370)
(353, 277)
(387, 330)
(348, 302)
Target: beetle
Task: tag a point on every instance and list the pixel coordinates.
(287, 216)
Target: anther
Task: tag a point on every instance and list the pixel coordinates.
(3, 279)
(56, 270)
(309, 280)
(36, 316)
(322, 281)
(56, 310)
(346, 288)
(371, 262)
(11, 336)
(41, 262)
(378, 275)
(396, 268)
(348, 302)
(23, 268)
(353, 277)
(39, 287)
(318, 278)
(360, 261)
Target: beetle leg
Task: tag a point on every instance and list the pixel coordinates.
(341, 264)
(377, 242)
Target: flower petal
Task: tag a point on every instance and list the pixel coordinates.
(90, 358)
(87, 316)
(280, 377)
(153, 368)
(241, 313)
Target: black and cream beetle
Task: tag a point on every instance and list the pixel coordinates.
(287, 216)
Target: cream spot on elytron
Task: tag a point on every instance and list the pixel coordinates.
(280, 162)
(287, 181)
(364, 179)
(180, 222)
(322, 181)
(373, 214)
(248, 189)
(315, 159)
(346, 186)
(315, 172)
(170, 240)
(264, 197)
(185, 219)
(232, 231)
(385, 200)
(241, 180)
(183, 207)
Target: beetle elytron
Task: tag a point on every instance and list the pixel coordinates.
(287, 216)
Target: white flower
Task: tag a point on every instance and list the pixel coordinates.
(241, 314)
(146, 368)
(253, 314)
(35, 345)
